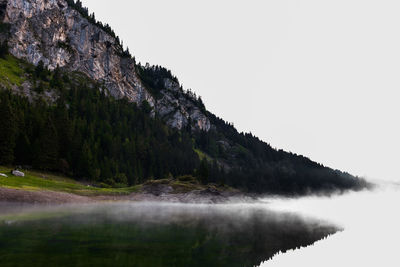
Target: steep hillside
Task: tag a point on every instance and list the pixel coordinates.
(74, 101)
(62, 34)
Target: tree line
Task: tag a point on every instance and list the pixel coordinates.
(87, 134)
(90, 135)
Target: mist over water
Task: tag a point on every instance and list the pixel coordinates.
(371, 222)
(235, 234)
(151, 234)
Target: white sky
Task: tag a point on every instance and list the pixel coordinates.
(318, 78)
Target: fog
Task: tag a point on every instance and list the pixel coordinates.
(223, 217)
(153, 234)
(371, 223)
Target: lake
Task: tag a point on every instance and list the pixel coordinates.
(151, 234)
(371, 229)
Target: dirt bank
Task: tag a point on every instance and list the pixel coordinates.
(40, 197)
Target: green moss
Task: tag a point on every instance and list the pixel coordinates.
(11, 72)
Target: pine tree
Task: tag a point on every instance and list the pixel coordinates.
(203, 171)
(3, 49)
(46, 148)
(7, 132)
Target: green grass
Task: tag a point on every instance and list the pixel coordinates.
(43, 181)
(202, 155)
(11, 72)
(39, 181)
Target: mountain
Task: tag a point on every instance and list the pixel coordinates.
(61, 33)
(78, 103)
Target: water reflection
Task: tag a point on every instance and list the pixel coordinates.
(151, 234)
(371, 229)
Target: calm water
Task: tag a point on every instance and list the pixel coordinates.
(371, 220)
(150, 234)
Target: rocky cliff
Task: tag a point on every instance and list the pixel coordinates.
(57, 34)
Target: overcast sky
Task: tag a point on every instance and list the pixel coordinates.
(318, 78)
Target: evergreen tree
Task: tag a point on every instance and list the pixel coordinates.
(203, 172)
(3, 49)
(7, 132)
(95, 137)
(46, 147)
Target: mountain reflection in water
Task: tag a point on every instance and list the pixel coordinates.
(151, 234)
(371, 229)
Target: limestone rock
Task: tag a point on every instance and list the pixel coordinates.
(179, 109)
(18, 173)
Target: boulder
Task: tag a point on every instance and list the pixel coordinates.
(18, 173)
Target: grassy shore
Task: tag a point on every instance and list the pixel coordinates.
(43, 181)
(39, 181)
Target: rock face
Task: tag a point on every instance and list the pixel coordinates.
(58, 35)
(179, 109)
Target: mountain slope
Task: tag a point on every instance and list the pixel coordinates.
(79, 104)
(61, 34)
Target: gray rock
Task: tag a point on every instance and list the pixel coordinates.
(157, 189)
(178, 108)
(18, 173)
(58, 35)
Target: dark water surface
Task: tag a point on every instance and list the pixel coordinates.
(150, 234)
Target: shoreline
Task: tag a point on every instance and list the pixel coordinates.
(206, 196)
(37, 187)
(47, 188)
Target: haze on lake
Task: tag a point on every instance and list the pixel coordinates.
(371, 229)
(151, 234)
(157, 234)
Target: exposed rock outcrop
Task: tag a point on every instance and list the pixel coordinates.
(18, 173)
(58, 35)
(52, 32)
(179, 109)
